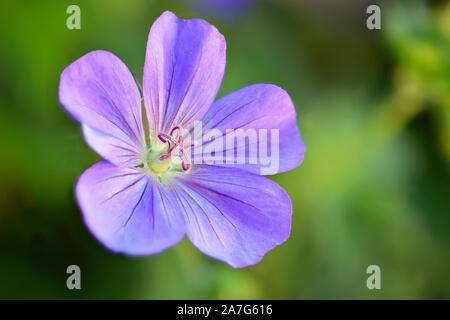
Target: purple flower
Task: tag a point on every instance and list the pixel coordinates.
(149, 192)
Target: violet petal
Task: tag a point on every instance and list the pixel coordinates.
(233, 215)
(99, 91)
(127, 211)
(183, 70)
(260, 106)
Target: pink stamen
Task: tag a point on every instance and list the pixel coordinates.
(174, 129)
(164, 138)
(161, 138)
(177, 143)
(185, 168)
(186, 157)
(164, 157)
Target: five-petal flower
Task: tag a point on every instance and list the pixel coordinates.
(139, 201)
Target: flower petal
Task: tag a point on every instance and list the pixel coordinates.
(127, 211)
(99, 91)
(184, 66)
(248, 110)
(233, 215)
(120, 152)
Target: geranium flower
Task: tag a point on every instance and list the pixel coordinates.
(149, 192)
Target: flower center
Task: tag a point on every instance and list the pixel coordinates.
(158, 166)
(176, 144)
(167, 154)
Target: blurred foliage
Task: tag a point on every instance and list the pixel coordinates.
(373, 110)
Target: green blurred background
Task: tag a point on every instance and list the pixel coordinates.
(373, 109)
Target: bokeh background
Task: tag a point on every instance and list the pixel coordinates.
(373, 109)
